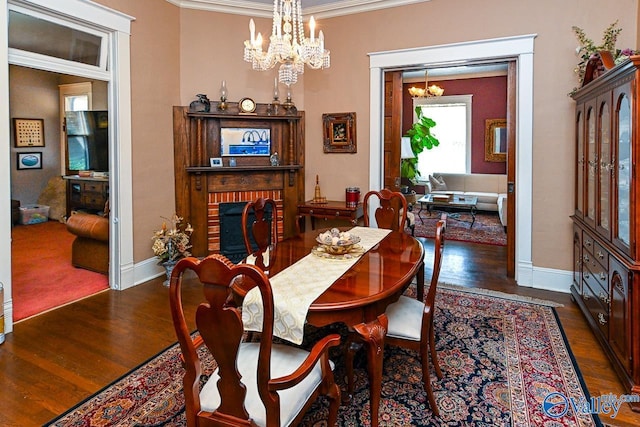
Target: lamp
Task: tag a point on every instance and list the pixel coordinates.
(222, 105)
(288, 45)
(405, 148)
(433, 90)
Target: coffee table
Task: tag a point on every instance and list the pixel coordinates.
(453, 202)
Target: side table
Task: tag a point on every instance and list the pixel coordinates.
(332, 209)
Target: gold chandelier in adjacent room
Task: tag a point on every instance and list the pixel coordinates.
(427, 91)
(288, 45)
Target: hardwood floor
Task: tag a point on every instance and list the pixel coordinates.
(53, 361)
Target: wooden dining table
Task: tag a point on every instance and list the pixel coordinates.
(360, 296)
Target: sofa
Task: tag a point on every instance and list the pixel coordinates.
(490, 189)
(90, 249)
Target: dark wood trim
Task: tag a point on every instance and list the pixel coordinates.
(512, 193)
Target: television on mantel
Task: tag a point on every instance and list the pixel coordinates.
(87, 141)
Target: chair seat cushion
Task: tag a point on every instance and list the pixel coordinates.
(405, 318)
(284, 360)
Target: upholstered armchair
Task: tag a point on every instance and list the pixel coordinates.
(90, 249)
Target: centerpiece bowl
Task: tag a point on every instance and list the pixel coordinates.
(337, 242)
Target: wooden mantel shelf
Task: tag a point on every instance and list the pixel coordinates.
(230, 169)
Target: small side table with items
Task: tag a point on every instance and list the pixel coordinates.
(331, 209)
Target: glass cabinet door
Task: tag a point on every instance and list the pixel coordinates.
(592, 162)
(580, 162)
(604, 167)
(622, 153)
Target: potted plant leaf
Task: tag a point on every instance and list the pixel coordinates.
(421, 139)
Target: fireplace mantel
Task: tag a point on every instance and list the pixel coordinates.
(200, 188)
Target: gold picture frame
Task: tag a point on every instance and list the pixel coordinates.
(495, 140)
(28, 132)
(339, 132)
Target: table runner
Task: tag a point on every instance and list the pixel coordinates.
(296, 287)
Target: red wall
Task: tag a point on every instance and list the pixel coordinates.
(489, 102)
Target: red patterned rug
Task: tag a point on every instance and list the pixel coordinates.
(487, 229)
(505, 362)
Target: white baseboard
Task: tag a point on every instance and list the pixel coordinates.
(147, 270)
(548, 279)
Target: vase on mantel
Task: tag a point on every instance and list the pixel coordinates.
(168, 268)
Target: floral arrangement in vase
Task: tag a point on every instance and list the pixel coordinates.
(607, 51)
(172, 243)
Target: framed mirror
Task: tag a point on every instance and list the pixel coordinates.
(495, 140)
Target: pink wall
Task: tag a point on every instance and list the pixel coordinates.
(489, 102)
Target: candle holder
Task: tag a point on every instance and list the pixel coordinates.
(288, 104)
(222, 105)
(272, 108)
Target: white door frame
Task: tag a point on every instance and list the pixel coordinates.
(519, 48)
(118, 75)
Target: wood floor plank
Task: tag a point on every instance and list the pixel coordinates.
(53, 361)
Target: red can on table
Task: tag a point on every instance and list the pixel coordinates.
(352, 196)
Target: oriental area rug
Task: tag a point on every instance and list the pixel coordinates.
(505, 362)
(487, 229)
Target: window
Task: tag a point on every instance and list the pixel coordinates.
(73, 97)
(452, 115)
(39, 36)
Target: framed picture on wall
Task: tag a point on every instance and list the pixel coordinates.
(31, 160)
(339, 133)
(28, 132)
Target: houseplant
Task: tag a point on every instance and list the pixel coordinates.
(172, 244)
(421, 139)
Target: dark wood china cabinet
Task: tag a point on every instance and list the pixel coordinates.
(606, 278)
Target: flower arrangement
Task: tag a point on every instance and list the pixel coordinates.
(171, 244)
(588, 49)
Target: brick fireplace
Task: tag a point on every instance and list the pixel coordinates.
(213, 212)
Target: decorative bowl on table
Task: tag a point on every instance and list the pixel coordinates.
(337, 242)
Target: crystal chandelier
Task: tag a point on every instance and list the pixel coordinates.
(288, 45)
(433, 90)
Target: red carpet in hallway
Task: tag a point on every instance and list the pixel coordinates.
(42, 274)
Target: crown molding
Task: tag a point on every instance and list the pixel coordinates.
(265, 10)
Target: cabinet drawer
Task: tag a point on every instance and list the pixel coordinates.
(599, 312)
(598, 284)
(93, 187)
(93, 201)
(327, 213)
(588, 242)
(601, 255)
(594, 269)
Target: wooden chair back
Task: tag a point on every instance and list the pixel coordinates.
(264, 228)
(219, 323)
(438, 249)
(392, 212)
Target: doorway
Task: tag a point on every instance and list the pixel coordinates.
(518, 49)
(78, 13)
(41, 94)
(468, 97)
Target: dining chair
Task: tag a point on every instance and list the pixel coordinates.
(410, 325)
(411, 320)
(392, 211)
(263, 229)
(253, 383)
